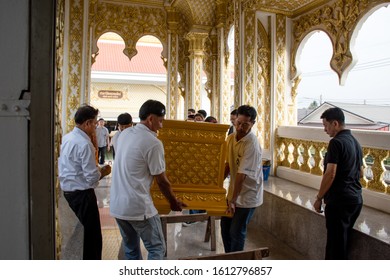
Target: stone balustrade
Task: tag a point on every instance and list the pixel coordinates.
(300, 152)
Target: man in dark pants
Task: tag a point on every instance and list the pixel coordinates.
(79, 175)
(340, 186)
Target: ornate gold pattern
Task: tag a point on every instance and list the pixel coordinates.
(196, 49)
(195, 158)
(338, 20)
(74, 90)
(199, 13)
(249, 59)
(130, 22)
(263, 94)
(280, 63)
(288, 7)
(173, 101)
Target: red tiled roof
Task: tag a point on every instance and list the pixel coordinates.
(112, 59)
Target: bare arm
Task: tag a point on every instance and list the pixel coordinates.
(326, 182)
(240, 177)
(165, 187)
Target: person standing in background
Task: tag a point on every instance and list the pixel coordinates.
(233, 117)
(340, 186)
(103, 140)
(124, 121)
(203, 113)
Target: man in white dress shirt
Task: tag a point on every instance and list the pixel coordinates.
(139, 160)
(79, 175)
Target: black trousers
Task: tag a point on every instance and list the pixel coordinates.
(340, 220)
(102, 154)
(84, 205)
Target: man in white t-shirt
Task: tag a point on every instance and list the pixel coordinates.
(124, 121)
(139, 160)
(244, 164)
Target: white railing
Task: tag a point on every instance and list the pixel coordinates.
(300, 152)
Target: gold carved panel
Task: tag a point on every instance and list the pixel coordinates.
(195, 159)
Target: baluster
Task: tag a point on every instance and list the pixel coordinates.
(316, 170)
(295, 155)
(305, 167)
(376, 183)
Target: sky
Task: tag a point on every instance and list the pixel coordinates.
(368, 82)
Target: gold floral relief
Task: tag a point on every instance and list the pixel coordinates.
(195, 158)
(249, 58)
(74, 89)
(280, 78)
(173, 101)
(263, 86)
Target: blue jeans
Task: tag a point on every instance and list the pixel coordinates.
(133, 251)
(150, 231)
(233, 229)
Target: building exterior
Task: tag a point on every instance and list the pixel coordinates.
(48, 59)
(357, 116)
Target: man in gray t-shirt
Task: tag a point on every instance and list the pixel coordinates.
(103, 140)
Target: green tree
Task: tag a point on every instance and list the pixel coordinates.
(313, 105)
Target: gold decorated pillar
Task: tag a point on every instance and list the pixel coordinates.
(249, 60)
(280, 74)
(214, 96)
(196, 50)
(237, 54)
(76, 60)
(173, 94)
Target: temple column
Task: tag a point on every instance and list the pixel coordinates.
(76, 60)
(173, 95)
(196, 50)
(222, 95)
(249, 71)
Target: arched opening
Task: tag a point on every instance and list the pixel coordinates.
(121, 85)
(367, 82)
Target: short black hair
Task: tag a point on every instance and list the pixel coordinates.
(203, 113)
(191, 110)
(334, 114)
(248, 111)
(84, 113)
(211, 119)
(151, 107)
(125, 119)
(234, 112)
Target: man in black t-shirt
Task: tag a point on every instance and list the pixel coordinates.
(340, 186)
